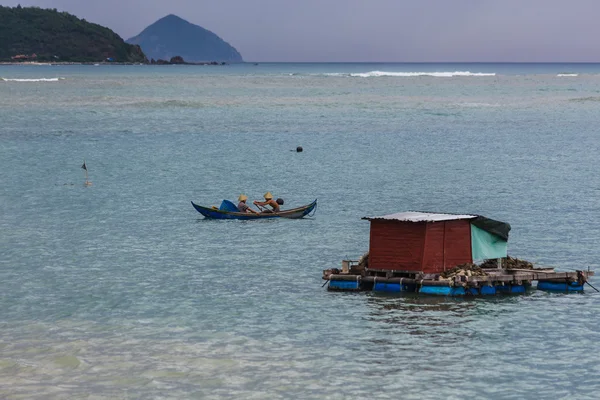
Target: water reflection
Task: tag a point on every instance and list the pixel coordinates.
(400, 320)
(415, 303)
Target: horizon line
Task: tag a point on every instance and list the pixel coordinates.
(415, 62)
(418, 62)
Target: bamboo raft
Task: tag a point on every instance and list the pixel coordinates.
(434, 253)
(495, 281)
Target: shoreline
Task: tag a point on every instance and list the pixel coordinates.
(211, 63)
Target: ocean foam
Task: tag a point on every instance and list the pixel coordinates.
(376, 74)
(477, 105)
(567, 74)
(31, 80)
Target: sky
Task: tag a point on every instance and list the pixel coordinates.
(369, 30)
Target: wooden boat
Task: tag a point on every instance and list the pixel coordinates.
(226, 211)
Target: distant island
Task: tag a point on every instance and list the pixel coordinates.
(178, 60)
(172, 36)
(46, 35)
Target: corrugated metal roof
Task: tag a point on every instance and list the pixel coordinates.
(416, 216)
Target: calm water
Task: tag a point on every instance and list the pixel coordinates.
(122, 290)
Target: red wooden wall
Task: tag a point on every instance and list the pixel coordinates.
(396, 245)
(428, 247)
(447, 244)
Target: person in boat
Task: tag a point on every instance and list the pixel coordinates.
(274, 204)
(243, 207)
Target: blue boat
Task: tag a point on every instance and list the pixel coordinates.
(228, 210)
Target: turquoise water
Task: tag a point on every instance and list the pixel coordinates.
(122, 290)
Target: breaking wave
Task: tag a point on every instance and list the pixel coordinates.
(377, 74)
(31, 80)
(586, 99)
(567, 74)
(165, 103)
(477, 105)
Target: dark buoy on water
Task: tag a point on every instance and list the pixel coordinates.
(299, 149)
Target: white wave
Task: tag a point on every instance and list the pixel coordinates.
(31, 80)
(477, 105)
(33, 63)
(375, 74)
(567, 74)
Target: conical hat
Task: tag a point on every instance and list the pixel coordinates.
(242, 197)
(268, 196)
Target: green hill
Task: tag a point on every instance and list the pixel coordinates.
(172, 36)
(59, 36)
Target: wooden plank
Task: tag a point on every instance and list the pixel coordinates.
(496, 278)
(344, 277)
(545, 270)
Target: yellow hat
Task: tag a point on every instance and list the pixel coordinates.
(242, 197)
(268, 196)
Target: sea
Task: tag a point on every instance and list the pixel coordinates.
(120, 290)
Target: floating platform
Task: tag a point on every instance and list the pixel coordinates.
(494, 282)
(433, 253)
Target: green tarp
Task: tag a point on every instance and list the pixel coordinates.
(486, 245)
(498, 228)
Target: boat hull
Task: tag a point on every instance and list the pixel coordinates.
(294, 213)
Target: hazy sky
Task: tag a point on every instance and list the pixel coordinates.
(370, 30)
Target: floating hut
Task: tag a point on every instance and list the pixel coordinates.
(434, 253)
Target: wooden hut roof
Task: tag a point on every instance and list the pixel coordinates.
(417, 216)
(492, 226)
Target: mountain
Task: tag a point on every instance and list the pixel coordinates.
(173, 36)
(32, 33)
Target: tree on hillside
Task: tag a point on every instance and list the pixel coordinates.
(50, 34)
